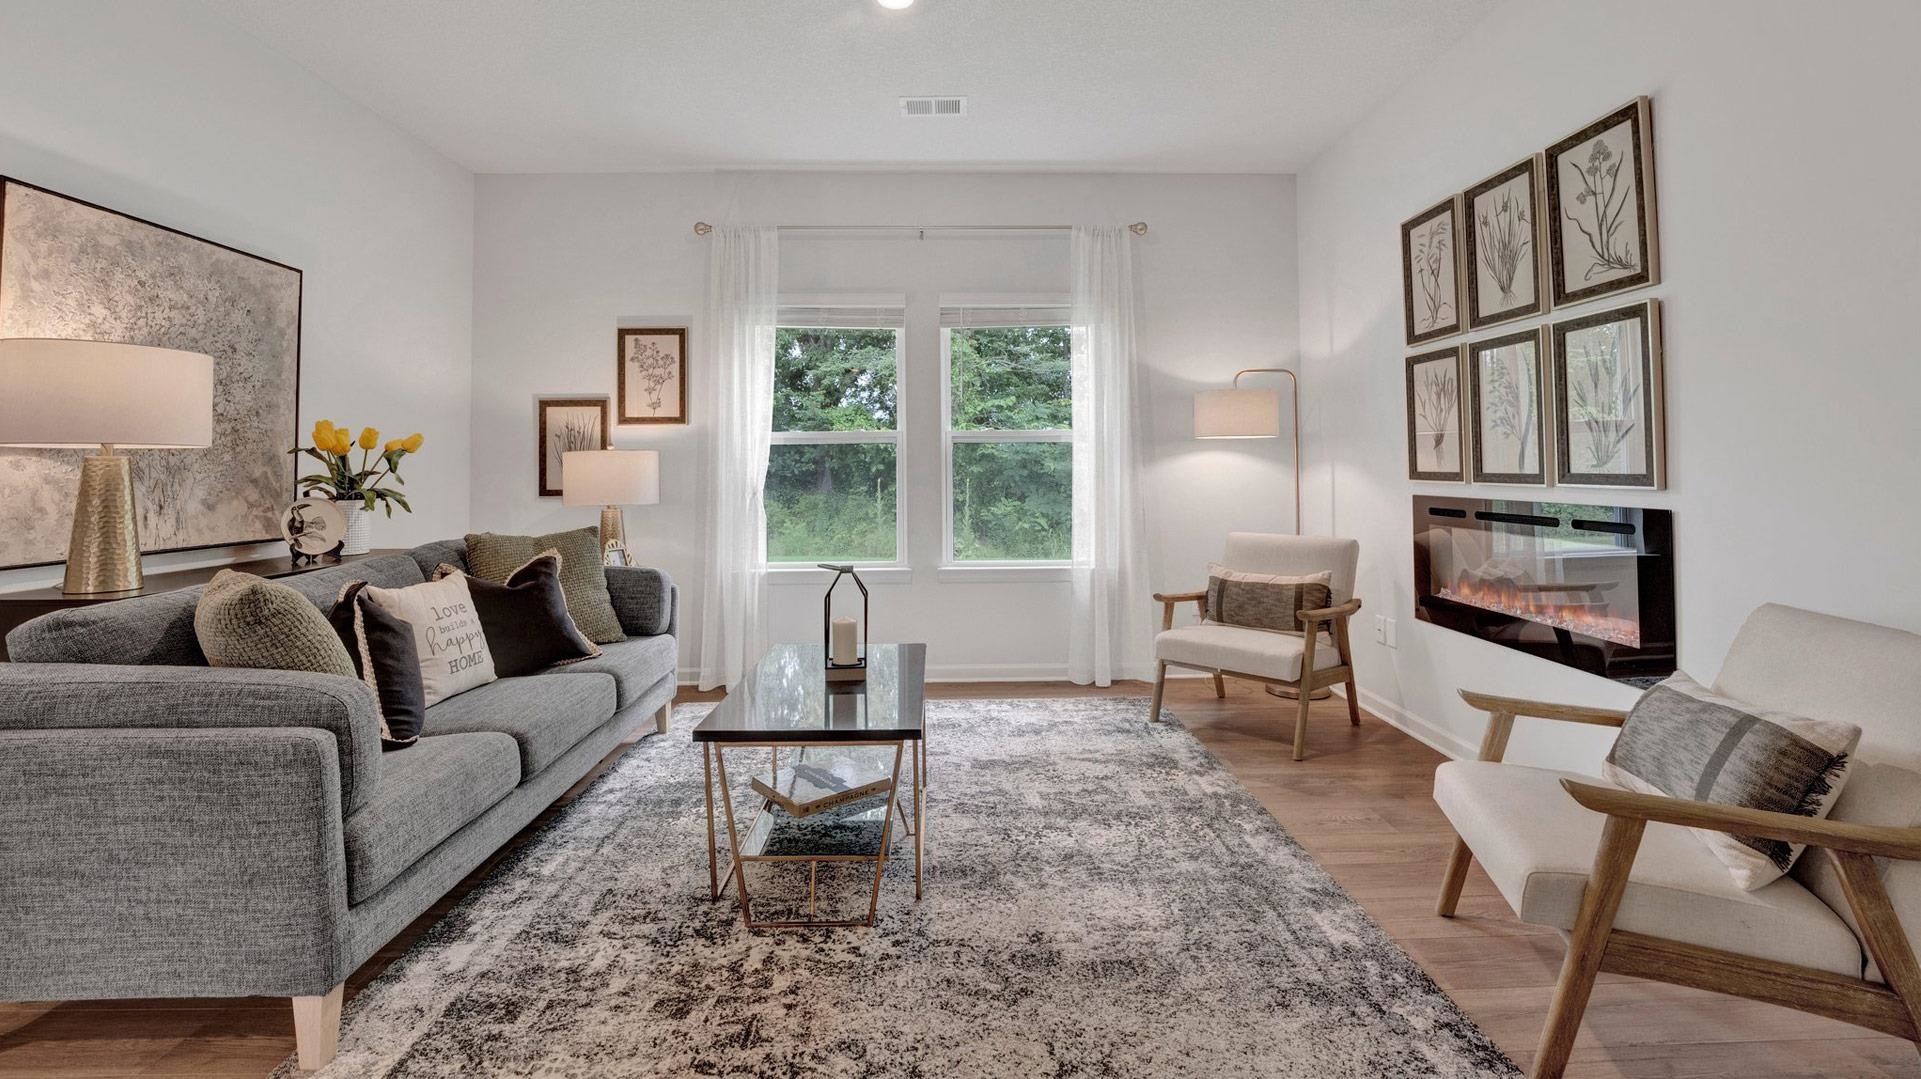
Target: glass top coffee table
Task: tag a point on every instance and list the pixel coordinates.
(836, 798)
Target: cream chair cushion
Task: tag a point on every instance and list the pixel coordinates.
(1538, 845)
(1265, 653)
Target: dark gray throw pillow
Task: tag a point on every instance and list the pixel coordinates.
(1685, 741)
(526, 621)
(1265, 600)
(381, 645)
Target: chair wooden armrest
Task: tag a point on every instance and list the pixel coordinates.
(1520, 706)
(1168, 600)
(1329, 614)
(1502, 710)
(1880, 841)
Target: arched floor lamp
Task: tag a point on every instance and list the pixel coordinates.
(1253, 413)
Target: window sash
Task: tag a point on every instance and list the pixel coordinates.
(851, 313)
(952, 436)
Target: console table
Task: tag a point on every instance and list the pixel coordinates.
(18, 607)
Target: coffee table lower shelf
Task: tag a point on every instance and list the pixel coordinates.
(818, 811)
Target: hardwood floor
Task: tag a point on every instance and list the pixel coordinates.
(1360, 803)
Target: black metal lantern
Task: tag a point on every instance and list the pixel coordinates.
(854, 668)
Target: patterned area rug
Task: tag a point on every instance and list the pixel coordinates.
(1103, 899)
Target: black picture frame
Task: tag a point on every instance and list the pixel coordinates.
(1533, 429)
(1564, 159)
(1650, 430)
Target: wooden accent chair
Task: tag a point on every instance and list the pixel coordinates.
(1313, 659)
(1641, 895)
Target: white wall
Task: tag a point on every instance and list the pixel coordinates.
(161, 110)
(561, 261)
(1784, 136)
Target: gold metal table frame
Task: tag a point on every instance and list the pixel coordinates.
(714, 764)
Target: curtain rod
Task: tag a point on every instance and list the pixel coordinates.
(1138, 228)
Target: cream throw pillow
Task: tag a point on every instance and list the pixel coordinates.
(454, 657)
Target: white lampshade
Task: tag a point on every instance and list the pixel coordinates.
(610, 477)
(80, 394)
(1237, 413)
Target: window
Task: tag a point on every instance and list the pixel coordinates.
(1009, 431)
(832, 492)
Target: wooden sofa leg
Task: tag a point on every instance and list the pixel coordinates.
(1457, 864)
(1160, 689)
(1353, 704)
(664, 718)
(1300, 721)
(316, 1028)
(1220, 687)
(1600, 901)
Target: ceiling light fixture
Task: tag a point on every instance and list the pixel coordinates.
(896, 5)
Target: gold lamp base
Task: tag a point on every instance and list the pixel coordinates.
(1294, 695)
(613, 532)
(103, 554)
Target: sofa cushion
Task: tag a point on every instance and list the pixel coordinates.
(157, 630)
(546, 714)
(636, 664)
(425, 795)
(1538, 845)
(1262, 652)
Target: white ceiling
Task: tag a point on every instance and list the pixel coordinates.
(615, 85)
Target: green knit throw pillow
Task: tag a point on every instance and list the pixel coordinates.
(248, 621)
(583, 574)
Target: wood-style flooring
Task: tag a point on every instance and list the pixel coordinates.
(1360, 803)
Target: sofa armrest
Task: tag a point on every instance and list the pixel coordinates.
(645, 599)
(51, 696)
(157, 863)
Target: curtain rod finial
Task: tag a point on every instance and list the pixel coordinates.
(702, 228)
(1138, 228)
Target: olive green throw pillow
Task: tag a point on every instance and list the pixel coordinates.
(583, 573)
(248, 621)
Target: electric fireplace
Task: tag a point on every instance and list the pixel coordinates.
(1588, 586)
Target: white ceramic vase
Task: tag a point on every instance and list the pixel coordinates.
(359, 526)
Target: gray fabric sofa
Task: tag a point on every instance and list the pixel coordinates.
(173, 829)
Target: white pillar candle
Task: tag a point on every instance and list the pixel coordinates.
(845, 651)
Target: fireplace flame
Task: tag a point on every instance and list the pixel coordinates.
(1549, 605)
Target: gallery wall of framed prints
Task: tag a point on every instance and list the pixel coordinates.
(1547, 387)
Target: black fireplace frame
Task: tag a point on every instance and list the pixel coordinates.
(1649, 534)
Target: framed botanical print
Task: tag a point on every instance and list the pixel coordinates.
(1504, 407)
(1602, 233)
(653, 375)
(1435, 390)
(1431, 272)
(569, 423)
(1609, 426)
(1505, 271)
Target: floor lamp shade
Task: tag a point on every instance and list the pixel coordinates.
(100, 394)
(1237, 413)
(610, 479)
(84, 394)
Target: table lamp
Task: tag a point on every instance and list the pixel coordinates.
(57, 394)
(610, 479)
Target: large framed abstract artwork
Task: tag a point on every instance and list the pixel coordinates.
(71, 269)
(1603, 236)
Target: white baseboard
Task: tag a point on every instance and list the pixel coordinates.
(981, 672)
(1415, 727)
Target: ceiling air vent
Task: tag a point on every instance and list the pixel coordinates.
(933, 106)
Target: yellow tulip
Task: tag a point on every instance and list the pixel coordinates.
(343, 442)
(369, 438)
(323, 434)
(393, 444)
(413, 442)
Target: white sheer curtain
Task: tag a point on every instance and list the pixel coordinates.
(743, 296)
(1108, 579)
